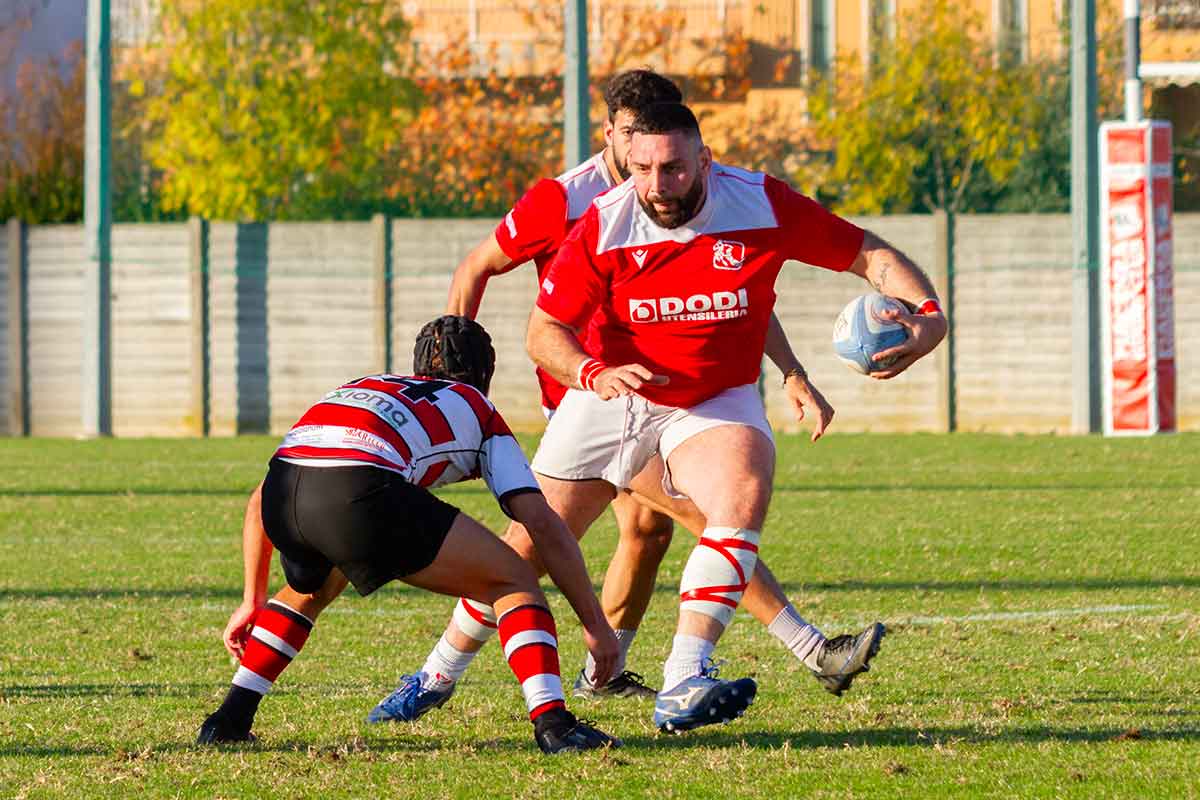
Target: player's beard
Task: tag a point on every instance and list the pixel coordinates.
(682, 209)
(622, 166)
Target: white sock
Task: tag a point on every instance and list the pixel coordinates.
(688, 654)
(445, 664)
(798, 635)
(625, 640)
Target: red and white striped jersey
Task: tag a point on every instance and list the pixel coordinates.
(692, 303)
(541, 219)
(433, 432)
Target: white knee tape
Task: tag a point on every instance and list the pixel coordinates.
(475, 619)
(718, 572)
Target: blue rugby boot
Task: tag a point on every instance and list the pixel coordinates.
(411, 700)
(702, 700)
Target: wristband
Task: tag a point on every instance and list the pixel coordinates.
(588, 370)
(929, 305)
(795, 371)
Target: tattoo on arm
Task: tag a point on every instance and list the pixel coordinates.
(879, 282)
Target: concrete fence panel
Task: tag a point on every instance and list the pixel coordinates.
(1013, 322)
(809, 299)
(56, 260)
(293, 309)
(151, 319)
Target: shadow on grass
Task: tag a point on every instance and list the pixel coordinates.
(124, 491)
(328, 751)
(908, 737)
(797, 589)
(761, 740)
(982, 486)
(1017, 584)
(61, 690)
(117, 593)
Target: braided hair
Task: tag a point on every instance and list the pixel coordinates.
(457, 349)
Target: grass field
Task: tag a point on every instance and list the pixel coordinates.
(1042, 595)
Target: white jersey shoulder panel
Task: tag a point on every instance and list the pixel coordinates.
(584, 184)
(737, 201)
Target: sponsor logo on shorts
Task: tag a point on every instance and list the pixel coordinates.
(728, 254)
(697, 308)
(548, 285)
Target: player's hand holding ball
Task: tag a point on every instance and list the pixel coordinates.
(878, 336)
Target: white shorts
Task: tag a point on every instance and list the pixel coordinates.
(614, 439)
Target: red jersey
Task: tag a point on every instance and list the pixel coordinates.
(538, 223)
(692, 302)
(433, 432)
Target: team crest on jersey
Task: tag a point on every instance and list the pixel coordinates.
(728, 254)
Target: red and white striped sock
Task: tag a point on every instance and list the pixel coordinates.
(279, 633)
(530, 643)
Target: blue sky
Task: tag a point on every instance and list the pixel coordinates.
(56, 23)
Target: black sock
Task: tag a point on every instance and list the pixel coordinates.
(240, 705)
(554, 718)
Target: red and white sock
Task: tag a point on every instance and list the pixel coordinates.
(530, 643)
(279, 633)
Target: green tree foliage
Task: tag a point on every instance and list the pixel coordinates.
(277, 109)
(936, 111)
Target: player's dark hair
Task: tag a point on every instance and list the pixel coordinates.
(634, 89)
(660, 118)
(457, 349)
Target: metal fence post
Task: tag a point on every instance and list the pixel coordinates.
(198, 277)
(943, 281)
(381, 289)
(18, 329)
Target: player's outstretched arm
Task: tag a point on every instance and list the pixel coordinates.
(801, 393)
(471, 276)
(553, 347)
(256, 567)
(560, 554)
(894, 274)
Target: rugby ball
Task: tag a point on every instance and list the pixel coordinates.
(860, 332)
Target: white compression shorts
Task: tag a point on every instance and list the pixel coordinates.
(614, 439)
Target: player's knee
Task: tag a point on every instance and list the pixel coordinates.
(745, 507)
(649, 533)
(516, 578)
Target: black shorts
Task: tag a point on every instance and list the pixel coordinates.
(367, 521)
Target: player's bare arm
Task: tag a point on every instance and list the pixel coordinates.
(560, 554)
(801, 393)
(894, 274)
(553, 346)
(470, 279)
(256, 567)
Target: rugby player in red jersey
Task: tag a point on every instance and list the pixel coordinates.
(533, 231)
(346, 498)
(669, 280)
